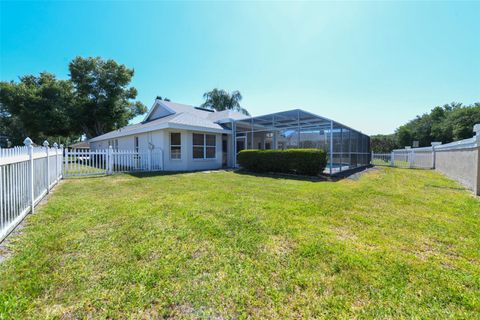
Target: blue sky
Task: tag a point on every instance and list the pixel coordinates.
(371, 65)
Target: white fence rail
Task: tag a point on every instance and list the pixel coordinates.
(405, 158)
(109, 161)
(27, 174)
(422, 157)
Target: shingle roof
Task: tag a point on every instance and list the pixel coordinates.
(133, 128)
(211, 115)
(192, 120)
(79, 145)
(183, 116)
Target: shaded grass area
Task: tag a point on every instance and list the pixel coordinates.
(395, 243)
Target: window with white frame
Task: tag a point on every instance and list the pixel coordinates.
(113, 143)
(175, 146)
(135, 143)
(204, 146)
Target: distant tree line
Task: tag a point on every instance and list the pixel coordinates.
(384, 143)
(96, 99)
(445, 124)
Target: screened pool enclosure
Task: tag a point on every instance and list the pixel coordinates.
(346, 148)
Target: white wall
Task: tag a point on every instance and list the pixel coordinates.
(187, 163)
(462, 165)
(161, 141)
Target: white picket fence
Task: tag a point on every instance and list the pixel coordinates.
(109, 161)
(420, 158)
(27, 174)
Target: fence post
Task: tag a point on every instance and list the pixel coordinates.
(55, 145)
(409, 156)
(392, 159)
(47, 149)
(110, 160)
(476, 187)
(64, 156)
(28, 143)
(161, 160)
(434, 153)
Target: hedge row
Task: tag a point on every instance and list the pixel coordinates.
(297, 161)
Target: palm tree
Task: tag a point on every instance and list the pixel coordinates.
(220, 100)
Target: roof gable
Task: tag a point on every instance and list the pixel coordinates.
(158, 110)
(167, 114)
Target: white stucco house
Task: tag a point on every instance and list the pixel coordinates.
(193, 138)
(190, 138)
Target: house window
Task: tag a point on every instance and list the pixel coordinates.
(135, 144)
(113, 143)
(204, 146)
(175, 146)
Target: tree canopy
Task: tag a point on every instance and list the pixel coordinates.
(383, 143)
(103, 99)
(221, 100)
(96, 99)
(38, 106)
(447, 123)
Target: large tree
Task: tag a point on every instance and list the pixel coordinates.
(383, 143)
(445, 124)
(220, 100)
(40, 107)
(104, 101)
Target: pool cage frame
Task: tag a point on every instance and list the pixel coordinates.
(346, 148)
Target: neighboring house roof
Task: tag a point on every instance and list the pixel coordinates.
(166, 114)
(80, 145)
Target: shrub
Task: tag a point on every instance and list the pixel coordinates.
(297, 161)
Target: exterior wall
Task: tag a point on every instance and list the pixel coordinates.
(124, 143)
(461, 165)
(187, 163)
(230, 151)
(161, 141)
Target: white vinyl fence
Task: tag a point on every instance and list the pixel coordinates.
(27, 174)
(109, 161)
(459, 160)
(420, 158)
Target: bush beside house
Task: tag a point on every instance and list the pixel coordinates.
(297, 161)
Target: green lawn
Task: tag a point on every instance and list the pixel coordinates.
(396, 243)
